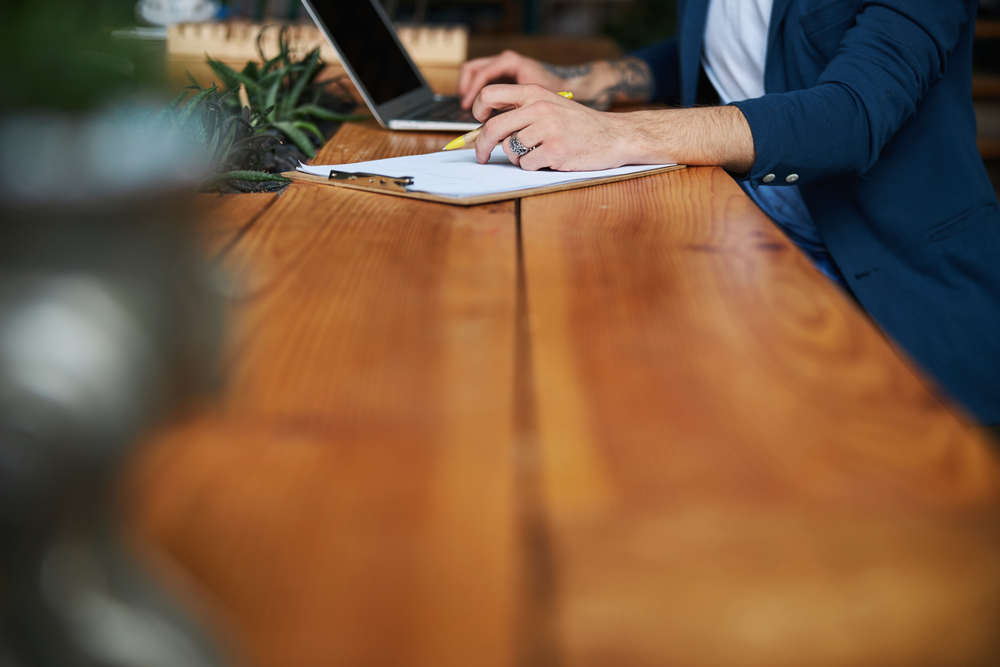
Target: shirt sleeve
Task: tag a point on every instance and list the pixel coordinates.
(895, 52)
(663, 59)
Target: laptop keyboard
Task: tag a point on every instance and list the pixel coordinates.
(447, 109)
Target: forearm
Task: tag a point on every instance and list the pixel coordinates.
(567, 136)
(716, 136)
(606, 82)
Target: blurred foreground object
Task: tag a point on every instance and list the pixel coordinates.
(107, 318)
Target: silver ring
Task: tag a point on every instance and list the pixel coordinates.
(516, 148)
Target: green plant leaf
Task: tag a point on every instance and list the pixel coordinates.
(250, 70)
(271, 77)
(177, 100)
(190, 107)
(211, 119)
(268, 67)
(308, 73)
(260, 45)
(227, 74)
(173, 116)
(322, 113)
(270, 102)
(213, 145)
(309, 127)
(296, 136)
(241, 175)
(229, 93)
(239, 132)
(232, 78)
(285, 46)
(244, 126)
(227, 135)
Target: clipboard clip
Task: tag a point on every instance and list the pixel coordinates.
(374, 181)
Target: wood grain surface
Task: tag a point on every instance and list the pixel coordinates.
(351, 502)
(226, 217)
(621, 425)
(737, 468)
(366, 140)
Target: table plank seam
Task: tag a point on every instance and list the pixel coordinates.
(538, 645)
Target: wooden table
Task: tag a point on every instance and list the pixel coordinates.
(621, 425)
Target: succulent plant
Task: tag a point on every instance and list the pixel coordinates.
(287, 95)
(235, 145)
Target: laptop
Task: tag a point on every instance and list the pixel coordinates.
(382, 70)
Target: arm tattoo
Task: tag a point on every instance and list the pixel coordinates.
(564, 72)
(634, 84)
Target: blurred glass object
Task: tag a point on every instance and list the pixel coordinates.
(108, 317)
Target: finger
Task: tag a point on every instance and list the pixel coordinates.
(500, 127)
(522, 138)
(534, 160)
(469, 69)
(511, 155)
(525, 143)
(484, 148)
(508, 64)
(531, 135)
(504, 125)
(483, 76)
(504, 145)
(500, 97)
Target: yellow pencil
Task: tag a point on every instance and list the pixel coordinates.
(469, 138)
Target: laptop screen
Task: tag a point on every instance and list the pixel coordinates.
(365, 42)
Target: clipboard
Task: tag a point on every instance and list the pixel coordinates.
(397, 185)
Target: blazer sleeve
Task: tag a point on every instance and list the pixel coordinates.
(663, 59)
(888, 60)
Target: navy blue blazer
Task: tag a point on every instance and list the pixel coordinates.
(869, 103)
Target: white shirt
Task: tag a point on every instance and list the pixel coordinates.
(734, 57)
(736, 47)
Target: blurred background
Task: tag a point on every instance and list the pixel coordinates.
(629, 22)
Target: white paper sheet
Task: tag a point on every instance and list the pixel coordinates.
(457, 174)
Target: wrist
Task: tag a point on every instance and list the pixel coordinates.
(713, 136)
(626, 80)
(643, 137)
(576, 79)
(590, 86)
(633, 143)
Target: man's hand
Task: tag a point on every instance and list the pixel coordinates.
(568, 136)
(596, 85)
(476, 74)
